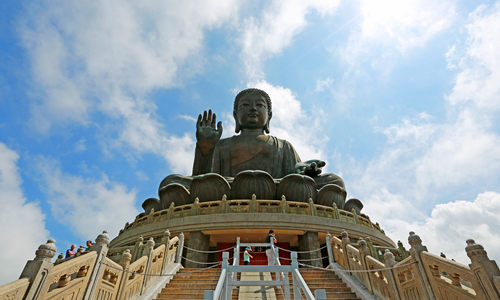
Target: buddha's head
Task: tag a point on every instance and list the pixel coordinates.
(252, 110)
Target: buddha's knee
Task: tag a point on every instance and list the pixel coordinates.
(329, 178)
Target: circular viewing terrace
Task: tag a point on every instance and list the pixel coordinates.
(225, 219)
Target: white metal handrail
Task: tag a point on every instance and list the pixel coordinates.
(228, 277)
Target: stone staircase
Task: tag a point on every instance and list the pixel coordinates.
(190, 283)
(320, 279)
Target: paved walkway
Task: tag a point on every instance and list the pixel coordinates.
(256, 292)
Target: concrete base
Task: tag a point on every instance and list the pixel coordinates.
(307, 242)
(197, 240)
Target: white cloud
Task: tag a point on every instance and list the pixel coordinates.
(106, 56)
(323, 84)
(390, 28)
(275, 29)
(479, 75)
(291, 122)
(409, 23)
(85, 205)
(22, 223)
(428, 162)
(450, 224)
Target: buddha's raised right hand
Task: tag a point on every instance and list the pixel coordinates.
(207, 135)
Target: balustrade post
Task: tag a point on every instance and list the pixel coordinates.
(178, 256)
(485, 270)
(196, 206)
(226, 289)
(373, 252)
(224, 206)
(415, 250)
(101, 246)
(346, 241)
(148, 251)
(295, 266)
(331, 257)
(137, 248)
(363, 252)
(277, 258)
(36, 270)
(283, 204)
(312, 208)
(165, 241)
(389, 263)
(355, 216)
(336, 214)
(125, 263)
(403, 253)
(253, 203)
(170, 212)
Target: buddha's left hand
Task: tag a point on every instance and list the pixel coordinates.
(310, 168)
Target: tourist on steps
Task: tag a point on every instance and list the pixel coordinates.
(247, 255)
(269, 252)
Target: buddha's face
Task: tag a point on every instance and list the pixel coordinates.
(252, 112)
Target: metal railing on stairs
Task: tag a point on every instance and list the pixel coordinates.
(229, 276)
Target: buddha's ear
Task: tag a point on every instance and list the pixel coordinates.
(266, 127)
(238, 126)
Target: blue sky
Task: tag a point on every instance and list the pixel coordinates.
(98, 102)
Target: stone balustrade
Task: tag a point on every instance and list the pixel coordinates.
(421, 275)
(252, 206)
(93, 275)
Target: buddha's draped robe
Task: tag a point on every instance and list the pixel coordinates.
(235, 154)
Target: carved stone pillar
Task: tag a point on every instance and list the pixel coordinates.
(137, 249)
(308, 242)
(363, 252)
(165, 241)
(417, 247)
(38, 269)
(345, 241)
(485, 270)
(101, 247)
(389, 263)
(199, 241)
(125, 263)
(148, 251)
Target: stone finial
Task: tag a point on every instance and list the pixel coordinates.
(224, 197)
(150, 243)
(102, 238)
(344, 234)
(389, 258)
(283, 198)
(126, 258)
(414, 239)
(415, 243)
(46, 251)
(362, 243)
(197, 200)
(254, 197)
(167, 233)
(474, 250)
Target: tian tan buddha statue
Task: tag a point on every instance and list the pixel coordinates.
(252, 153)
(252, 149)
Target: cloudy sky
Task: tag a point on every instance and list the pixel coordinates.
(98, 101)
